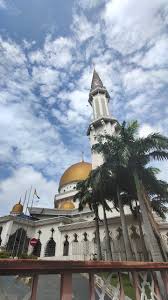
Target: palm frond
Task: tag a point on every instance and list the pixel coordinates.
(158, 155)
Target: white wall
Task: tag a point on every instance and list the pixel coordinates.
(7, 227)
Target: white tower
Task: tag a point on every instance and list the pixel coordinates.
(102, 122)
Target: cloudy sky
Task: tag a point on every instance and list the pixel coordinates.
(47, 52)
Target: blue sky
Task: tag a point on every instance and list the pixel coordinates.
(47, 52)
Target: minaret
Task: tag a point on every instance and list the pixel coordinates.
(98, 97)
(102, 122)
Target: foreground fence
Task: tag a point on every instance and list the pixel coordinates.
(105, 280)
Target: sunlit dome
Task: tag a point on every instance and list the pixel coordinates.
(17, 209)
(77, 172)
(67, 205)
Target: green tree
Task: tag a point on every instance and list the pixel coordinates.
(130, 152)
(92, 191)
(100, 186)
(86, 196)
(114, 189)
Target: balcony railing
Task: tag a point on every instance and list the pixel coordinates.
(106, 280)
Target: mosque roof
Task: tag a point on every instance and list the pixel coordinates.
(75, 173)
(17, 208)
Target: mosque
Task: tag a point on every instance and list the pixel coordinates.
(63, 232)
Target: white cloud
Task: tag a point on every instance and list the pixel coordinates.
(55, 53)
(3, 4)
(84, 29)
(27, 133)
(138, 80)
(47, 79)
(129, 24)
(163, 166)
(13, 188)
(157, 55)
(146, 129)
(89, 4)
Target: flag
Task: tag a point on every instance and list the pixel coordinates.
(35, 193)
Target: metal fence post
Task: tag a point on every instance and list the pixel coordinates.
(66, 286)
(91, 286)
(34, 287)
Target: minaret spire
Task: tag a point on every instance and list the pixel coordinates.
(98, 97)
(102, 122)
(96, 81)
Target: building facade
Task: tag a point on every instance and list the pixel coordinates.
(63, 232)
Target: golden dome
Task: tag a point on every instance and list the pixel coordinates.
(67, 205)
(17, 208)
(76, 172)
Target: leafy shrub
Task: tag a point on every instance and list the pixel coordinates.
(26, 256)
(4, 254)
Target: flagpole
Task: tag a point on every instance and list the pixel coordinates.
(25, 199)
(25, 214)
(28, 199)
(28, 220)
(15, 237)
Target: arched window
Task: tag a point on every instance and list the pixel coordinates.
(50, 248)
(37, 249)
(137, 245)
(85, 236)
(66, 246)
(0, 234)
(119, 246)
(75, 238)
(18, 242)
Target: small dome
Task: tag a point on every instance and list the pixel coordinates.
(77, 172)
(17, 209)
(68, 205)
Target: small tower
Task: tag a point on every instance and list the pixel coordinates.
(102, 122)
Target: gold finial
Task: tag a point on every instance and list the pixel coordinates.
(82, 156)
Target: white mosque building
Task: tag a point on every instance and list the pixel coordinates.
(63, 232)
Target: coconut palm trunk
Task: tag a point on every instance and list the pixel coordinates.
(154, 247)
(99, 252)
(154, 225)
(124, 227)
(108, 243)
(145, 252)
(153, 244)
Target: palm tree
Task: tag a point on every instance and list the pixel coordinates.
(157, 193)
(133, 154)
(100, 186)
(115, 189)
(86, 197)
(94, 189)
(156, 198)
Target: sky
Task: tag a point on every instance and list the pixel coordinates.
(48, 50)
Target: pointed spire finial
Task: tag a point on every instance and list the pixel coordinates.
(96, 81)
(82, 156)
